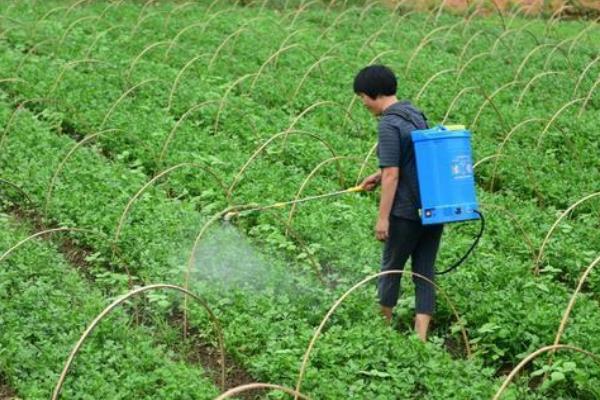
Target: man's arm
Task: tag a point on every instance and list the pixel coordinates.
(389, 183)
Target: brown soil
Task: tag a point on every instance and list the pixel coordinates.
(6, 392)
(199, 352)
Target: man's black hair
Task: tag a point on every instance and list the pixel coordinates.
(375, 80)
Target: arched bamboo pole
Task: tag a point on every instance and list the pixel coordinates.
(192, 257)
(555, 17)
(467, 46)
(517, 223)
(229, 37)
(66, 66)
(108, 7)
(316, 64)
(489, 100)
(49, 13)
(588, 97)
(309, 177)
(38, 234)
(137, 58)
(363, 165)
(554, 50)
(17, 188)
(72, 26)
(584, 72)
(271, 58)
(567, 312)
(97, 37)
(121, 300)
(505, 141)
(72, 7)
(262, 147)
(352, 289)
(533, 355)
(22, 106)
(178, 77)
(424, 41)
(154, 179)
(31, 51)
(532, 80)
(509, 31)
(202, 24)
(176, 9)
(224, 99)
(555, 224)
(169, 138)
(486, 158)
(367, 42)
(554, 117)
(64, 161)
(365, 10)
(578, 37)
(472, 59)
(431, 79)
(334, 24)
(303, 7)
(528, 56)
(253, 386)
(455, 99)
(133, 32)
(121, 98)
(400, 19)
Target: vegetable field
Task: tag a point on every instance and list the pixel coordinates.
(130, 129)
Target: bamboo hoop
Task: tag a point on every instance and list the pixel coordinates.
(178, 77)
(555, 224)
(517, 223)
(533, 355)
(363, 166)
(455, 99)
(431, 79)
(72, 26)
(505, 141)
(64, 161)
(352, 289)
(554, 117)
(567, 312)
(60, 76)
(489, 100)
(584, 72)
(134, 198)
(309, 177)
(121, 98)
(528, 56)
(223, 99)
(116, 303)
(588, 97)
(138, 57)
(169, 138)
(260, 149)
(38, 234)
(17, 188)
(532, 80)
(253, 386)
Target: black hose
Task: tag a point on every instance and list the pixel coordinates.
(468, 253)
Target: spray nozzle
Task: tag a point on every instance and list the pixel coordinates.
(358, 188)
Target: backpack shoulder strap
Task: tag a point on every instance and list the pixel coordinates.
(405, 115)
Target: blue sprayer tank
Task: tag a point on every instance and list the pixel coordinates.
(445, 174)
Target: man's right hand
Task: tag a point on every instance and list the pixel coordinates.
(371, 182)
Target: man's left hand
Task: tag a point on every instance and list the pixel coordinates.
(382, 229)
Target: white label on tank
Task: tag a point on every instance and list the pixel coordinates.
(461, 166)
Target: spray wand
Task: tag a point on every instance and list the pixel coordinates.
(232, 214)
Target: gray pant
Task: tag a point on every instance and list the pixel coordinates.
(421, 243)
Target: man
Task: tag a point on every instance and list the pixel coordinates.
(398, 224)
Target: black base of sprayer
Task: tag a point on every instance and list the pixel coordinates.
(473, 245)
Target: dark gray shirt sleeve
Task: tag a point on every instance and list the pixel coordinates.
(388, 144)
